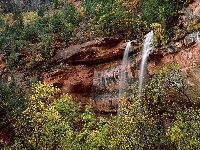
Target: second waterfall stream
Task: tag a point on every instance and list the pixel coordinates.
(147, 47)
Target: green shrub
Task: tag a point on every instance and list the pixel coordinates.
(159, 104)
(41, 11)
(17, 145)
(162, 12)
(31, 33)
(70, 111)
(12, 102)
(12, 60)
(136, 129)
(110, 18)
(71, 15)
(11, 37)
(157, 11)
(185, 131)
(158, 91)
(124, 131)
(93, 134)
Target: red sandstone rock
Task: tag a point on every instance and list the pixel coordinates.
(78, 77)
(186, 58)
(195, 6)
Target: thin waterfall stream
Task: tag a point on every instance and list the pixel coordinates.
(123, 72)
(123, 75)
(148, 46)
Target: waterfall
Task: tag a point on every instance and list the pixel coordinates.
(148, 46)
(123, 72)
(123, 75)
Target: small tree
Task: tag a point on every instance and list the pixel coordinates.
(12, 102)
(41, 125)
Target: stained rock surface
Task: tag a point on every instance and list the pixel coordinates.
(92, 71)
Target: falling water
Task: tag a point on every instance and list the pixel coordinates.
(123, 74)
(148, 46)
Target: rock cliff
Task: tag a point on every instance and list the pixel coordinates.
(92, 71)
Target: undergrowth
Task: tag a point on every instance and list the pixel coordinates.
(50, 120)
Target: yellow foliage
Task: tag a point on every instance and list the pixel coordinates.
(130, 4)
(194, 24)
(39, 58)
(41, 125)
(43, 91)
(82, 11)
(7, 18)
(184, 132)
(29, 17)
(158, 33)
(29, 58)
(34, 59)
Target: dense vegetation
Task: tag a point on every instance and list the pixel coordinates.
(61, 24)
(43, 118)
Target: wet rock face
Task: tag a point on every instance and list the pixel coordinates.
(83, 63)
(106, 84)
(92, 71)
